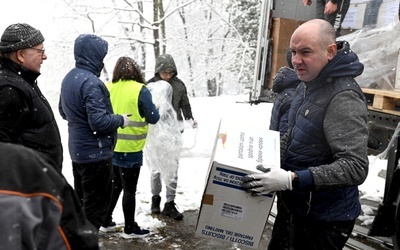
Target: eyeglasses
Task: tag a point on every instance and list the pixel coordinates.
(41, 51)
(169, 73)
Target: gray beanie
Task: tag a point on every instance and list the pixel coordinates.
(19, 36)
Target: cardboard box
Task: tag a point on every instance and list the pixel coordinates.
(227, 212)
(282, 30)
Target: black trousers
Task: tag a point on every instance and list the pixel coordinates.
(124, 179)
(280, 237)
(337, 17)
(92, 183)
(320, 235)
(298, 233)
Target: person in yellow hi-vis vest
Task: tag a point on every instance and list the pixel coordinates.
(129, 95)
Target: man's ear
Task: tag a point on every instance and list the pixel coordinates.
(331, 51)
(20, 56)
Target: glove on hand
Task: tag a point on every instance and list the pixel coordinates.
(194, 124)
(274, 179)
(126, 120)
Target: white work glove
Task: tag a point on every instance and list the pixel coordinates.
(194, 125)
(126, 120)
(190, 123)
(274, 179)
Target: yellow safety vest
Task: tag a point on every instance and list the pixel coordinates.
(124, 97)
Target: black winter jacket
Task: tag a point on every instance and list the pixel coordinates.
(38, 208)
(26, 117)
(284, 84)
(326, 144)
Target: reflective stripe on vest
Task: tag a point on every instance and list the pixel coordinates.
(137, 124)
(131, 137)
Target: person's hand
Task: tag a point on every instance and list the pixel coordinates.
(307, 2)
(330, 8)
(126, 120)
(194, 125)
(273, 179)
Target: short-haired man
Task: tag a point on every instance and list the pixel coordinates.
(324, 156)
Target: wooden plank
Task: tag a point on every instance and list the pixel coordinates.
(389, 93)
(386, 101)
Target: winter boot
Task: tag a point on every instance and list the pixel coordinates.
(134, 232)
(170, 210)
(155, 204)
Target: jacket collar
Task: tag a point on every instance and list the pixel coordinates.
(27, 74)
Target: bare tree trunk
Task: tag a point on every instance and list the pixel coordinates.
(219, 76)
(155, 31)
(142, 58)
(182, 14)
(162, 25)
(212, 87)
(104, 70)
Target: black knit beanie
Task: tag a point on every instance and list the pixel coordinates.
(19, 36)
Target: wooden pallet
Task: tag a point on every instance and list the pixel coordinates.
(386, 101)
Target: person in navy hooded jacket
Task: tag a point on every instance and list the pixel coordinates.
(284, 84)
(92, 126)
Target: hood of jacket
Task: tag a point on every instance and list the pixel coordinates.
(165, 62)
(344, 64)
(89, 52)
(285, 78)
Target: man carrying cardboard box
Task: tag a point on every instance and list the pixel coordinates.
(324, 153)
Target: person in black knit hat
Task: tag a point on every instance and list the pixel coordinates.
(20, 36)
(31, 155)
(26, 117)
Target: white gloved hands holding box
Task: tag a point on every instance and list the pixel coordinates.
(273, 179)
